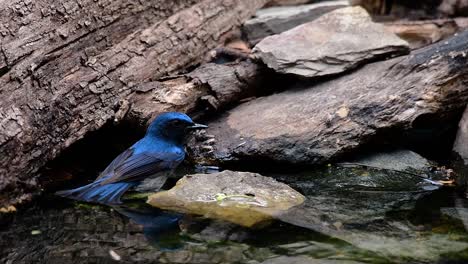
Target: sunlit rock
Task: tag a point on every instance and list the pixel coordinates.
(336, 42)
(243, 198)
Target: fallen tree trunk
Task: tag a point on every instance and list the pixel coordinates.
(318, 123)
(211, 85)
(68, 67)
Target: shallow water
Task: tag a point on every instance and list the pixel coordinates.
(355, 215)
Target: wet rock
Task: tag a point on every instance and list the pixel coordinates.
(316, 123)
(336, 42)
(377, 210)
(274, 20)
(340, 198)
(400, 160)
(243, 198)
(461, 142)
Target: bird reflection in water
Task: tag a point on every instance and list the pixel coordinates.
(159, 227)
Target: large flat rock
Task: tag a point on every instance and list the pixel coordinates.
(243, 198)
(317, 123)
(336, 42)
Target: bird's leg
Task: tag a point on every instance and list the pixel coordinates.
(201, 147)
(206, 169)
(205, 141)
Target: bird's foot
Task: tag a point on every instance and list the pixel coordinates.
(201, 147)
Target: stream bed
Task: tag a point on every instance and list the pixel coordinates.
(351, 215)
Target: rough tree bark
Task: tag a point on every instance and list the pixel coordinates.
(68, 67)
(210, 85)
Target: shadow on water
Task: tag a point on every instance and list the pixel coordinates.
(351, 216)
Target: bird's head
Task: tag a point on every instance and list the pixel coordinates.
(172, 126)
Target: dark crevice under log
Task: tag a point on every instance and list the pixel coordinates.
(72, 66)
(81, 162)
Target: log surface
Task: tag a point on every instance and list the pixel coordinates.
(68, 67)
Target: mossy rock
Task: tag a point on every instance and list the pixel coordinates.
(244, 198)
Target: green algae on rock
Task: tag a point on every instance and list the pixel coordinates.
(244, 198)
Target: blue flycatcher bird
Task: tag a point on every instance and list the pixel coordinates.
(161, 149)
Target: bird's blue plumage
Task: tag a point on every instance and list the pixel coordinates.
(160, 150)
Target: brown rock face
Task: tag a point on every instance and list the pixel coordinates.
(313, 124)
(336, 42)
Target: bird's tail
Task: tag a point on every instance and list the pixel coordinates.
(97, 193)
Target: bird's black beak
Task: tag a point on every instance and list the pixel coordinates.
(197, 126)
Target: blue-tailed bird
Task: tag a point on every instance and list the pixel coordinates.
(161, 149)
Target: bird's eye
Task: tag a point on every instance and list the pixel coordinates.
(176, 122)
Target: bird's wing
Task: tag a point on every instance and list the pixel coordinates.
(138, 166)
(116, 162)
